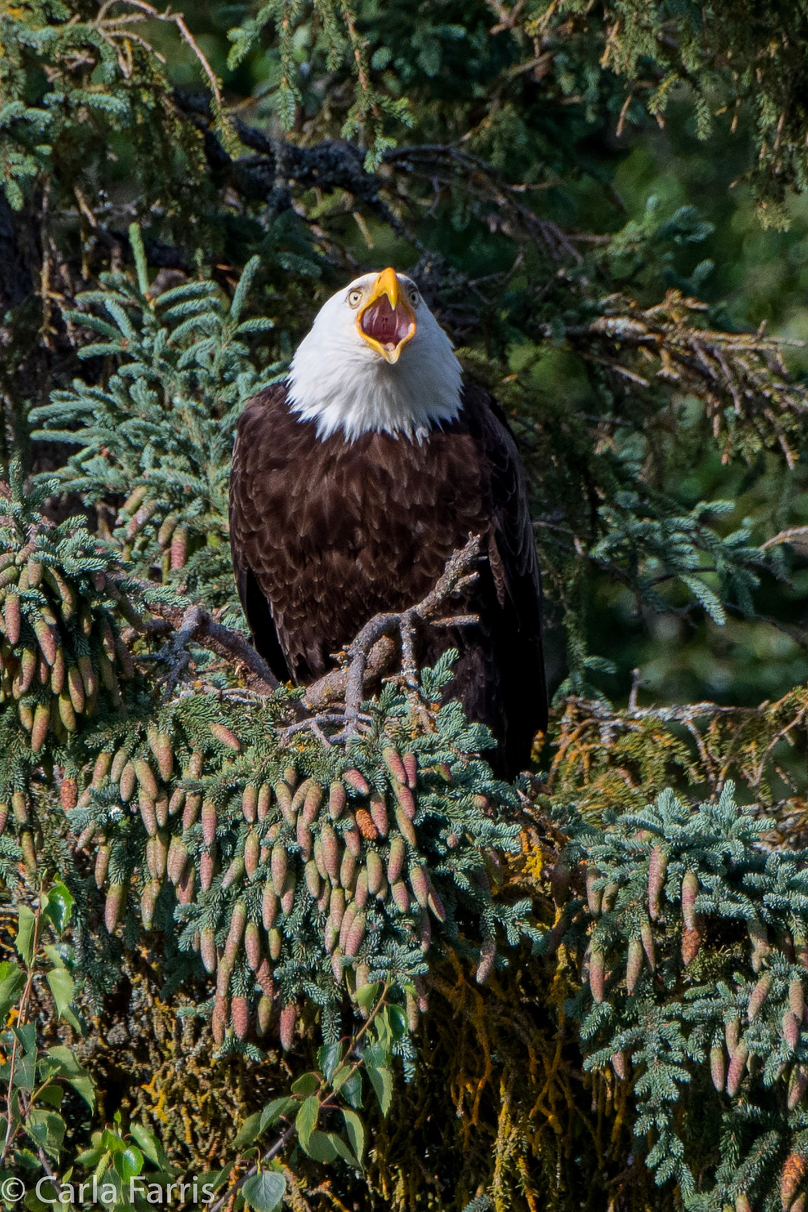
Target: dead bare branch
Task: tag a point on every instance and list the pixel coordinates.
(195, 624)
(177, 19)
(458, 574)
(797, 536)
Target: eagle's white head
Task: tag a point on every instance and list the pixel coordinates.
(375, 359)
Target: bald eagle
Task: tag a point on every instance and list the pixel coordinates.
(355, 480)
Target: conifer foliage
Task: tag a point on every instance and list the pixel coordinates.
(695, 968)
(159, 433)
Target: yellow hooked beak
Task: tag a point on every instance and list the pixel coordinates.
(387, 333)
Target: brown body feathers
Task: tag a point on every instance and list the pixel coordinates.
(327, 533)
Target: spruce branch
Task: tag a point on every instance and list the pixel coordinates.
(740, 377)
(119, 28)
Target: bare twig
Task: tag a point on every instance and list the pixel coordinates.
(196, 624)
(187, 37)
(315, 724)
(176, 651)
(796, 535)
(458, 574)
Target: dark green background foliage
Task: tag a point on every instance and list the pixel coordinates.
(602, 204)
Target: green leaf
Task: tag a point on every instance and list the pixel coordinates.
(12, 982)
(49, 1189)
(379, 1032)
(151, 1147)
(340, 1077)
(351, 1090)
(90, 1158)
(356, 1132)
(273, 1111)
(47, 1068)
(26, 1037)
(309, 1083)
(54, 955)
(112, 1141)
(377, 1054)
(265, 1192)
(58, 907)
(46, 1129)
(249, 1131)
(381, 1079)
(306, 1119)
(396, 1019)
(320, 1147)
(218, 1180)
(69, 1017)
(328, 1057)
(62, 987)
(343, 1151)
(78, 1077)
(367, 995)
(7, 968)
(128, 1163)
(25, 1072)
(26, 935)
(52, 1095)
(390, 1025)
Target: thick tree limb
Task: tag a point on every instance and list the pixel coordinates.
(330, 688)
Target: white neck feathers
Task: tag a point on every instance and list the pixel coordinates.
(339, 382)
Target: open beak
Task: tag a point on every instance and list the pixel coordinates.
(386, 320)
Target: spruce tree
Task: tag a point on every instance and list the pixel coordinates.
(303, 944)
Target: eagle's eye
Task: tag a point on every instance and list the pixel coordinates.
(354, 297)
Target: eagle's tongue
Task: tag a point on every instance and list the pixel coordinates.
(384, 324)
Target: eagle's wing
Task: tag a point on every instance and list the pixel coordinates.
(514, 563)
(242, 521)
